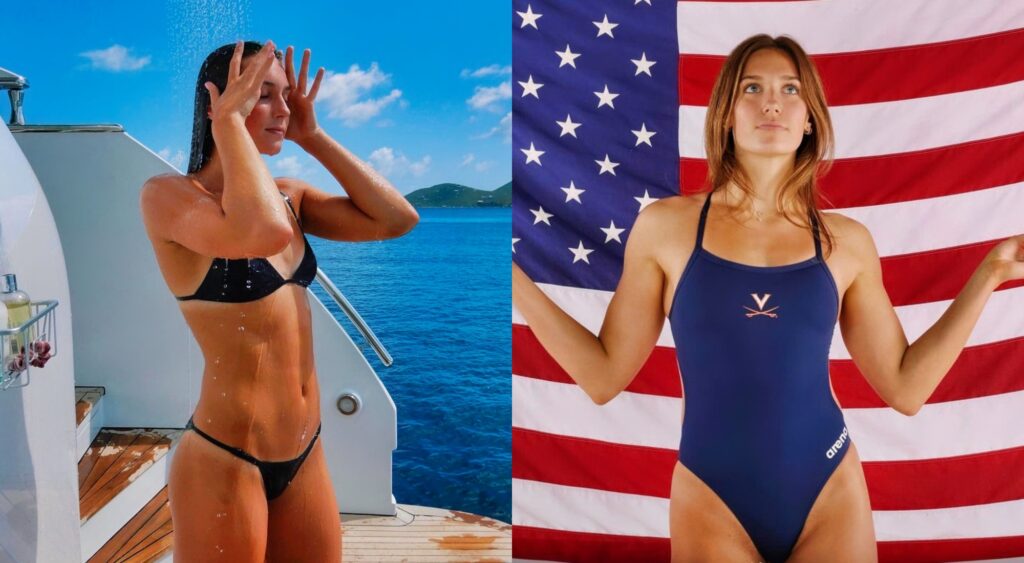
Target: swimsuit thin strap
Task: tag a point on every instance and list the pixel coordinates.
(703, 220)
(817, 237)
(288, 200)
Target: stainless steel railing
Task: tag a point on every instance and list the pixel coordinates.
(15, 85)
(353, 315)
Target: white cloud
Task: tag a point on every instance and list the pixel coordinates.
(489, 98)
(115, 58)
(490, 70)
(177, 159)
(467, 159)
(348, 94)
(483, 165)
(389, 163)
(290, 166)
(503, 128)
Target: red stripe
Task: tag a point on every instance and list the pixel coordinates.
(982, 478)
(876, 180)
(929, 551)
(658, 376)
(578, 462)
(934, 275)
(946, 482)
(885, 75)
(558, 545)
(540, 543)
(979, 371)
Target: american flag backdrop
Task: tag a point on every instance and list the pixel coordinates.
(927, 102)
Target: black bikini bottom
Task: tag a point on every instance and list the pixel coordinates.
(276, 474)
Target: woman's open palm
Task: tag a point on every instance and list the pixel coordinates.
(242, 90)
(302, 122)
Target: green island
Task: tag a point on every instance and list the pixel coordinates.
(457, 195)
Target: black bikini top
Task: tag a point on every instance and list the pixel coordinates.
(241, 280)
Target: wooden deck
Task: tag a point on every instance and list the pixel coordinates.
(424, 534)
(415, 534)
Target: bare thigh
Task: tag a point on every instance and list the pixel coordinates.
(304, 524)
(701, 526)
(839, 527)
(218, 507)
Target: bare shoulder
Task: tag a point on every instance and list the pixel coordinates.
(669, 213)
(851, 235)
(164, 197)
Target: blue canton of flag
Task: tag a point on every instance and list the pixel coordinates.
(595, 134)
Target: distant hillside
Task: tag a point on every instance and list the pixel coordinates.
(456, 195)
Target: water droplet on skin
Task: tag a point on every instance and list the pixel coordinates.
(241, 329)
(223, 394)
(207, 420)
(242, 315)
(217, 361)
(215, 377)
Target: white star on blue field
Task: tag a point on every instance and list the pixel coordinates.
(420, 90)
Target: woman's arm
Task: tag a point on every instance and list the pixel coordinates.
(605, 364)
(249, 220)
(374, 209)
(903, 375)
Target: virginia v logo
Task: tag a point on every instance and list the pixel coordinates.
(761, 301)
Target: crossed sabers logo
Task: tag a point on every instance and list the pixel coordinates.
(760, 306)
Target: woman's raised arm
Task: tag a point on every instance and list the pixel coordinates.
(905, 375)
(603, 365)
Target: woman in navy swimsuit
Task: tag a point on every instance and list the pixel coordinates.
(753, 278)
(249, 481)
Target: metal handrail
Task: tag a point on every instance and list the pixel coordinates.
(353, 315)
(15, 85)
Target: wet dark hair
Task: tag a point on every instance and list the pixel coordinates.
(215, 70)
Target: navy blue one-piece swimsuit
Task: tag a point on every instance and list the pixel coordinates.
(761, 427)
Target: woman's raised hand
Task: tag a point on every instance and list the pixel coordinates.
(302, 123)
(243, 88)
(1008, 259)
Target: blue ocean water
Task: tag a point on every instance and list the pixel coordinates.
(439, 299)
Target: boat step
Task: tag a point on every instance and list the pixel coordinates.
(146, 538)
(88, 415)
(122, 471)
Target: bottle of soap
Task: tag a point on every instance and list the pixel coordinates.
(19, 310)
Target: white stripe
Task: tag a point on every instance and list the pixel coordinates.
(962, 427)
(1000, 320)
(577, 509)
(899, 126)
(828, 26)
(985, 520)
(588, 307)
(935, 223)
(564, 409)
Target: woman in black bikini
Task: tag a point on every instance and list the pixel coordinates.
(250, 481)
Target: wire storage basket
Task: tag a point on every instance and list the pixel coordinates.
(30, 344)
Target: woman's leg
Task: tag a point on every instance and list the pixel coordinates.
(304, 525)
(701, 526)
(839, 527)
(218, 506)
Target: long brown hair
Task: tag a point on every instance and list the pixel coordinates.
(813, 156)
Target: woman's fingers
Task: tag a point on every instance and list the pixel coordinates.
(289, 66)
(214, 93)
(316, 84)
(303, 70)
(236, 62)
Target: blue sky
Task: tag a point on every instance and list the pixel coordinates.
(421, 90)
